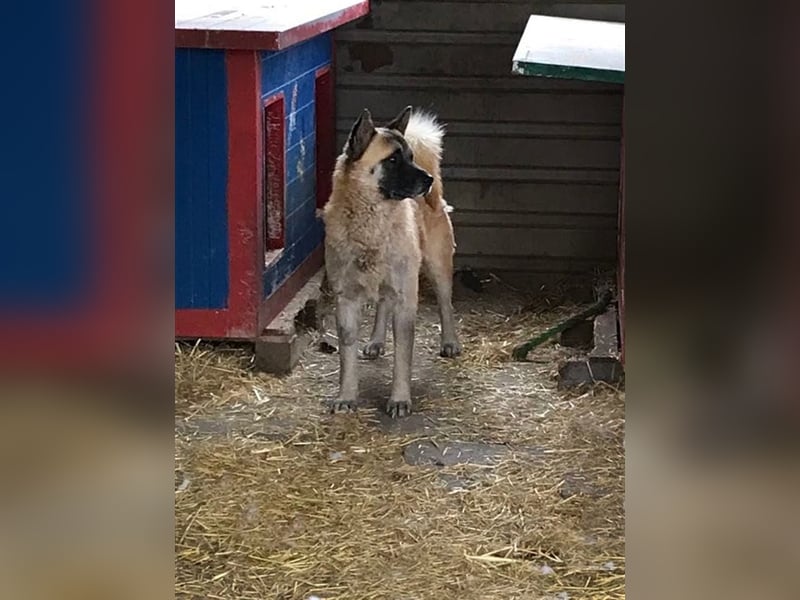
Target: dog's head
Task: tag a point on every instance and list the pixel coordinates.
(382, 159)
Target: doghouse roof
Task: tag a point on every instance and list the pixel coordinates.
(572, 49)
(259, 24)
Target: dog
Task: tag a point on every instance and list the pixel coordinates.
(387, 219)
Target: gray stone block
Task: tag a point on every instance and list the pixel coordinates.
(590, 370)
(278, 354)
(606, 340)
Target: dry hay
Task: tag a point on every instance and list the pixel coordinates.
(489, 337)
(491, 324)
(277, 499)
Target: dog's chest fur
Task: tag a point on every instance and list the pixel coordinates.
(368, 242)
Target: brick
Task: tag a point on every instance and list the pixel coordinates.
(278, 354)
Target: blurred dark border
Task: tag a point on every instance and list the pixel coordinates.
(713, 297)
(86, 379)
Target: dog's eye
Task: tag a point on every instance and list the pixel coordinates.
(392, 159)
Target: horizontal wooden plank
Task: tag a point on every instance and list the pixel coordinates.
(531, 175)
(598, 244)
(533, 152)
(500, 129)
(448, 16)
(481, 17)
(490, 105)
(522, 198)
(528, 152)
(427, 37)
(503, 83)
(529, 265)
(489, 218)
(380, 57)
(600, 10)
(572, 277)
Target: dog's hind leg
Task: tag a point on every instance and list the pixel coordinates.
(442, 278)
(348, 318)
(377, 341)
(439, 269)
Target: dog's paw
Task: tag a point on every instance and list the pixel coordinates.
(373, 350)
(397, 409)
(338, 405)
(450, 349)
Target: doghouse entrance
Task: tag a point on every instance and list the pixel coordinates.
(274, 170)
(325, 126)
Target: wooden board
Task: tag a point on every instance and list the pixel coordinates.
(259, 25)
(572, 49)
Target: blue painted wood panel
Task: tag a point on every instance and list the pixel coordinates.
(47, 226)
(292, 71)
(280, 67)
(201, 172)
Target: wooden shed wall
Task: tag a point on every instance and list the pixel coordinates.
(531, 165)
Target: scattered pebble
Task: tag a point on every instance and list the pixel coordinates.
(546, 570)
(333, 456)
(184, 485)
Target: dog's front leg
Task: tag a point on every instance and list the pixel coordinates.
(348, 317)
(405, 313)
(377, 341)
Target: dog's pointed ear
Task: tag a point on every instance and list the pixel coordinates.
(400, 122)
(360, 136)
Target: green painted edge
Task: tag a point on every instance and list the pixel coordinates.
(565, 72)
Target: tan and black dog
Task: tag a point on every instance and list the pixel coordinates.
(387, 218)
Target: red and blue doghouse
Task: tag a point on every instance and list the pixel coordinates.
(254, 151)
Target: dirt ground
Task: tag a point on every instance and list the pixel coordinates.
(498, 486)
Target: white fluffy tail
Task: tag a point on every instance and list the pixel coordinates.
(424, 134)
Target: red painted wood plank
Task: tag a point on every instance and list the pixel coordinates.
(306, 31)
(245, 246)
(237, 40)
(205, 323)
(258, 27)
